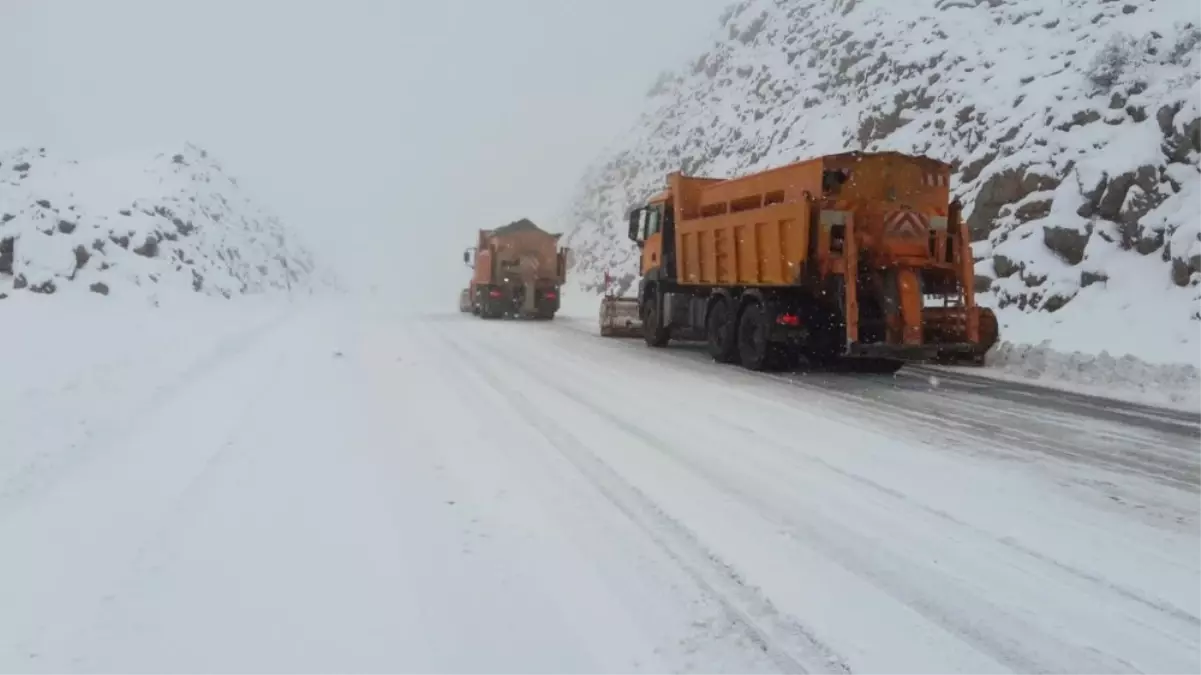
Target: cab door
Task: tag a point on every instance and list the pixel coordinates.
(646, 229)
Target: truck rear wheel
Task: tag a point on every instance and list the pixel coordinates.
(721, 332)
(754, 349)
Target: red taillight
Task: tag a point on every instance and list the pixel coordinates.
(494, 293)
(788, 320)
(551, 295)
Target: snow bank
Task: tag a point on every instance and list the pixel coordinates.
(1134, 311)
(1126, 378)
(140, 226)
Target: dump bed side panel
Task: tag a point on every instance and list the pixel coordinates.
(750, 231)
(763, 248)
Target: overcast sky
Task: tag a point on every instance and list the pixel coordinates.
(386, 131)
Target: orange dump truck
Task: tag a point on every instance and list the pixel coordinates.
(858, 258)
(517, 270)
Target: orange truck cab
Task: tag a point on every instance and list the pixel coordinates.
(860, 256)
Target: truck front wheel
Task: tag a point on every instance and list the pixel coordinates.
(653, 331)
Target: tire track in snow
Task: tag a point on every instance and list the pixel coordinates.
(963, 421)
(893, 410)
(50, 467)
(1030, 395)
(698, 632)
(94, 532)
(951, 433)
(1167, 420)
(956, 433)
(848, 556)
(150, 558)
(972, 421)
(809, 462)
(912, 585)
(1160, 605)
(789, 644)
(989, 538)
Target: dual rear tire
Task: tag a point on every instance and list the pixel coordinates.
(733, 337)
(755, 350)
(745, 339)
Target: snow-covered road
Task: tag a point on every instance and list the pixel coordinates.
(354, 489)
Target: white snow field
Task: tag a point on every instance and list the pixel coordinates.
(228, 486)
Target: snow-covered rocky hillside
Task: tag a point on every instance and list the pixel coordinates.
(140, 227)
(1074, 127)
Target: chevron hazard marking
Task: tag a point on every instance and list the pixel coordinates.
(905, 224)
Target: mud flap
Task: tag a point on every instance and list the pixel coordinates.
(529, 300)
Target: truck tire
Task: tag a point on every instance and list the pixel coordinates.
(721, 332)
(489, 311)
(752, 338)
(655, 334)
(754, 349)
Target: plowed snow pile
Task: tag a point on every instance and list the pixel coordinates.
(1074, 129)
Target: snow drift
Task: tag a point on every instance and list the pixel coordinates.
(1074, 129)
(131, 227)
(1127, 378)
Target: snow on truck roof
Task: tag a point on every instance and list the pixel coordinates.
(854, 154)
(523, 225)
(884, 153)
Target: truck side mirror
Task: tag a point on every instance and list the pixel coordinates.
(467, 255)
(635, 221)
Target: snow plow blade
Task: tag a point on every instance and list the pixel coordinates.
(619, 317)
(950, 328)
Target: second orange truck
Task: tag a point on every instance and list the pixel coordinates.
(859, 258)
(517, 270)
